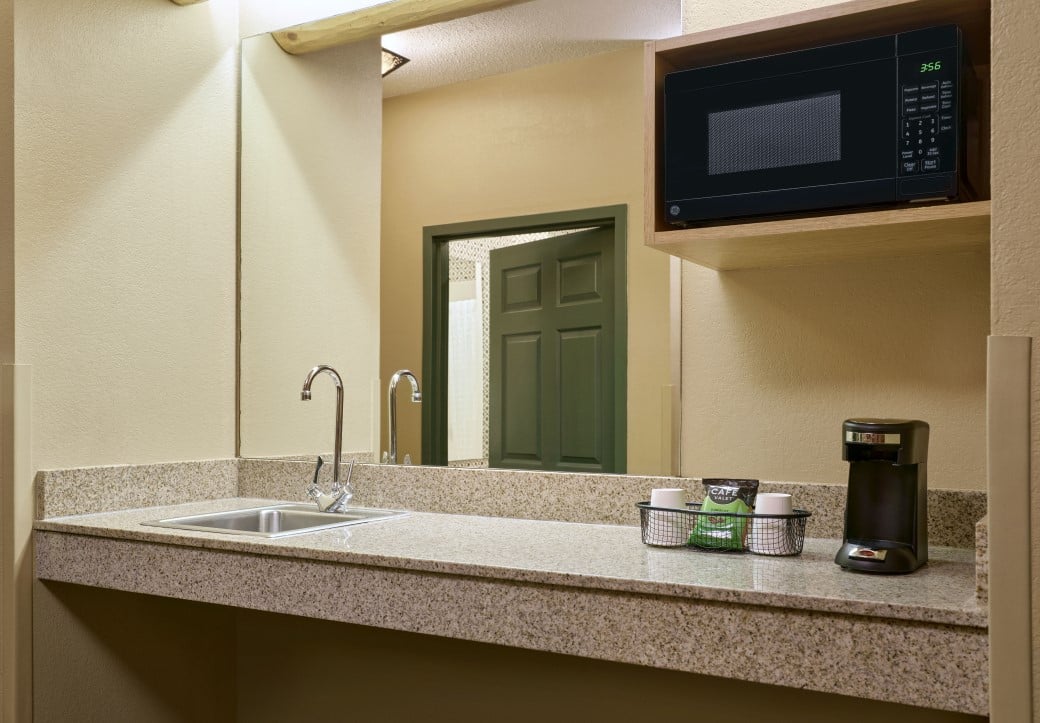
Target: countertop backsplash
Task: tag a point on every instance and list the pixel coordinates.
(561, 496)
(568, 497)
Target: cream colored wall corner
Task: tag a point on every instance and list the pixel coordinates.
(1008, 441)
(1015, 308)
(774, 360)
(552, 138)
(7, 259)
(16, 517)
(311, 129)
(125, 228)
(13, 653)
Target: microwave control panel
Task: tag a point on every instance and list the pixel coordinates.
(928, 103)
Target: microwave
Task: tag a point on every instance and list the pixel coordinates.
(872, 121)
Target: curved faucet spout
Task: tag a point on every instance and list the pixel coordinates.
(392, 402)
(305, 395)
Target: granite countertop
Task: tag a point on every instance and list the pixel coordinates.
(589, 556)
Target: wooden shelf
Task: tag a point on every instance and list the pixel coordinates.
(910, 231)
(827, 236)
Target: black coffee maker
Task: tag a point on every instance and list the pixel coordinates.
(886, 512)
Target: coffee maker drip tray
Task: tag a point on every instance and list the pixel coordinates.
(867, 553)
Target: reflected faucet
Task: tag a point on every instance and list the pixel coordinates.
(341, 495)
(416, 397)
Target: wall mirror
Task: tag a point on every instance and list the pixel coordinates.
(534, 108)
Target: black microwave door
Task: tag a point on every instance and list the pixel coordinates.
(794, 141)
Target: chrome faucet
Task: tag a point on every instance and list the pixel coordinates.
(341, 495)
(391, 456)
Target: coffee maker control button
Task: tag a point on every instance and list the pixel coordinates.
(867, 553)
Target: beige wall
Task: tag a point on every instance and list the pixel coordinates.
(6, 183)
(774, 360)
(16, 563)
(7, 552)
(309, 244)
(1015, 311)
(125, 228)
(552, 138)
(124, 256)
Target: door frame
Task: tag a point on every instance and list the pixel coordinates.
(435, 314)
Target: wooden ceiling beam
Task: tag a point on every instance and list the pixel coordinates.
(378, 20)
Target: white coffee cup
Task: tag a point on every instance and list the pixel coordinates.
(773, 503)
(666, 528)
(672, 497)
(771, 535)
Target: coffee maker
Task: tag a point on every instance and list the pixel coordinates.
(886, 512)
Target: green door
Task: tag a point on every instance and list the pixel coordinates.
(552, 364)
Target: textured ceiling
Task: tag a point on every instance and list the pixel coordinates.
(523, 36)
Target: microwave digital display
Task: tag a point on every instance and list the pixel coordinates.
(864, 122)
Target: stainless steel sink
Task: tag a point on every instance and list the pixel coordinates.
(275, 520)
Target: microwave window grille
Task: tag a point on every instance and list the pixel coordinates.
(789, 133)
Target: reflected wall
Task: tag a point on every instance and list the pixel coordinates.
(309, 247)
(551, 138)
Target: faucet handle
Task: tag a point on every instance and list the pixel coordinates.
(314, 491)
(350, 476)
(339, 498)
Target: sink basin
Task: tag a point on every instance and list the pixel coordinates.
(275, 520)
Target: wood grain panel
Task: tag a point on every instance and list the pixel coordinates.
(800, 241)
(382, 19)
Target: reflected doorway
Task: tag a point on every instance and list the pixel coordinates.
(524, 361)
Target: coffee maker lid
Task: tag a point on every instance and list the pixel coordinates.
(906, 440)
(870, 424)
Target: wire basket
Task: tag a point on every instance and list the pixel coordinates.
(723, 531)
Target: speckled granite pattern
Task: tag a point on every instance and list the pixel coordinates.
(924, 664)
(982, 561)
(607, 499)
(952, 514)
(605, 557)
(95, 489)
(345, 456)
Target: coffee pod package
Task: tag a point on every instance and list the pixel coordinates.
(725, 531)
